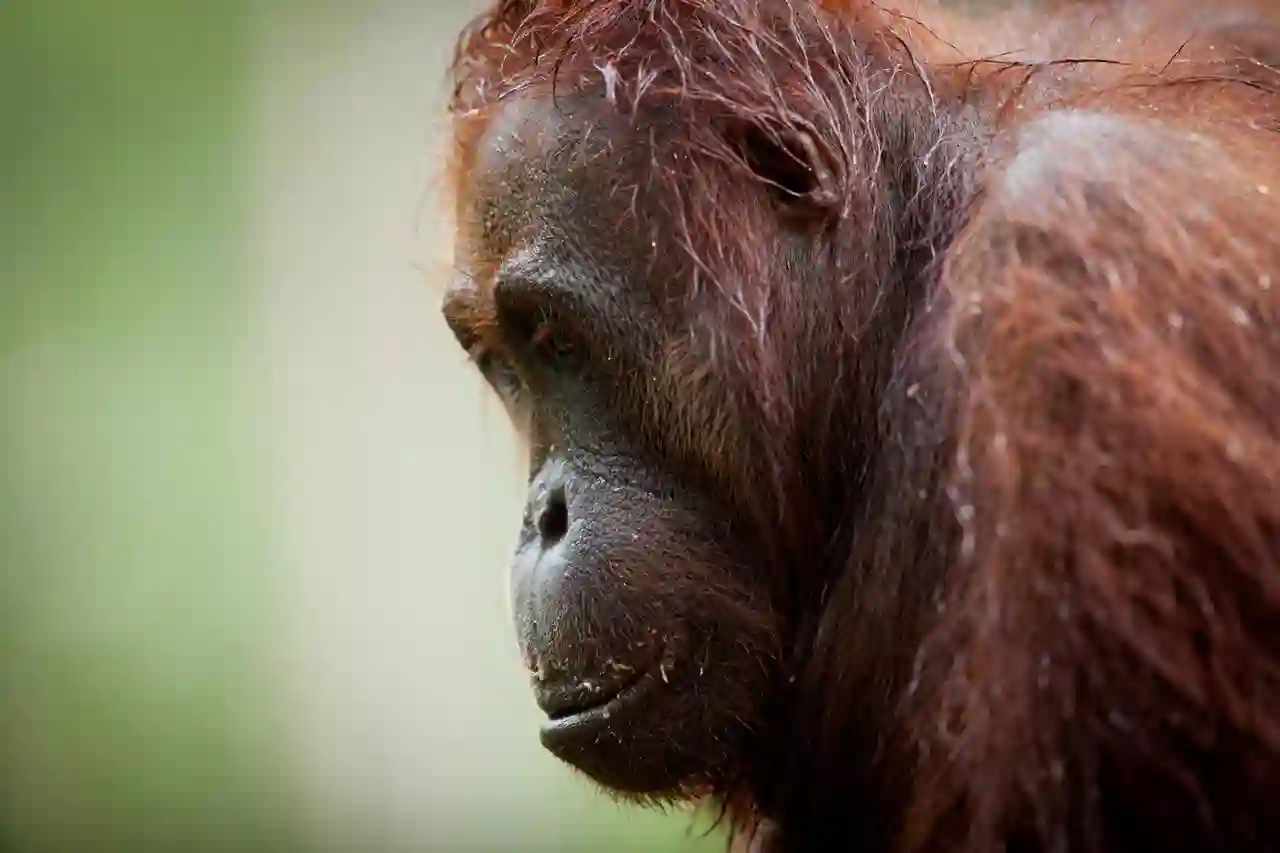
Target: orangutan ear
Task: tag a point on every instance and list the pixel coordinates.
(792, 163)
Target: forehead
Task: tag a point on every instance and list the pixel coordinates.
(558, 197)
(549, 169)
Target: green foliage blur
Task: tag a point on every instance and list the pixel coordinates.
(164, 168)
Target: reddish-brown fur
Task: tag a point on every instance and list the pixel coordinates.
(1084, 570)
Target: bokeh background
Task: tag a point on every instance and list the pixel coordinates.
(255, 511)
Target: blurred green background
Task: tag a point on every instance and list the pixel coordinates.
(256, 510)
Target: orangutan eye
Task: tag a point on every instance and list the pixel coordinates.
(535, 327)
(499, 373)
(555, 343)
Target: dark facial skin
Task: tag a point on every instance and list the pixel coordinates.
(638, 591)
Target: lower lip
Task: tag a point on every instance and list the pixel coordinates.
(564, 729)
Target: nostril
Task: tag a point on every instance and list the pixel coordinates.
(553, 522)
